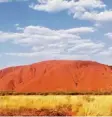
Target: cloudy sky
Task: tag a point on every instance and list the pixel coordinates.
(37, 30)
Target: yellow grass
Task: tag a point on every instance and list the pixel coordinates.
(82, 105)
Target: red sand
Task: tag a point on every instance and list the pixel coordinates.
(57, 75)
(34, 112)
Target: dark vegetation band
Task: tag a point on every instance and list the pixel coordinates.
(56, 93)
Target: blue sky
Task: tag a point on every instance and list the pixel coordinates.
(37, 30)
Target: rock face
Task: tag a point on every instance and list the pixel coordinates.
(57, 75)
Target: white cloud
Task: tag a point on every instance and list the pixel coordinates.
(44, 43)
(23, 54)
(36, 54)
(88, 47)
(59, 5)
(32, 35)
(52, 5)
(4, 1)
(107, 52)
(97, 25)
(16, 25)
(47, 44)
(58, 43)
(95, 16)
(5, 36)
(49, 56)
(81, 9)
(109, 35)
(79, 30)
